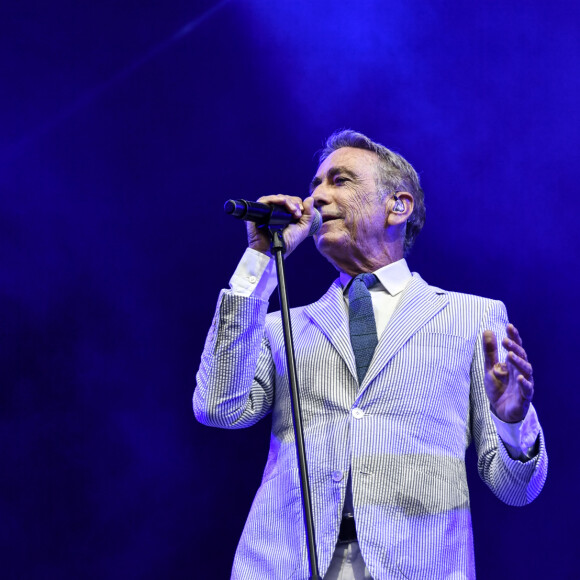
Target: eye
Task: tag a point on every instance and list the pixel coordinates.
(339, 180)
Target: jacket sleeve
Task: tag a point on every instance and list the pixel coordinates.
(235, 381)
(513, 481)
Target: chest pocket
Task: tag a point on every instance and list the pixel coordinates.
(429, 362)
(435, 353)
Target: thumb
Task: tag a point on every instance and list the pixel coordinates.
(489, 349)
(308, 212)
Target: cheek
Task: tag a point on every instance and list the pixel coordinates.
(361, 210)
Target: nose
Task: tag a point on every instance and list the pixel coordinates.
(321, 196)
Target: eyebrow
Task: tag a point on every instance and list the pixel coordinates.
(332, 172)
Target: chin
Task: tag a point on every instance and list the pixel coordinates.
(323, 240)
(329, 245)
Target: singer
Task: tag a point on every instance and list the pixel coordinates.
(397, 377)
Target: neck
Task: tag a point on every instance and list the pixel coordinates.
(359, 264)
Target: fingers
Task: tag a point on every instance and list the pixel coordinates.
(522, 372)
(308, 205)
(513, 342)
(517, 357)
(521, 364)
(509, 385)
(514, 334)
(526, 388)
(517, 361)
(292, 203)
(259, 238)
(489, 349)
(295, 233)
(512, 346)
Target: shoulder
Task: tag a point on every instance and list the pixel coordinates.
(469, 308)
(459, 298)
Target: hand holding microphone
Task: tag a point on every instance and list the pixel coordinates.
(302, 218)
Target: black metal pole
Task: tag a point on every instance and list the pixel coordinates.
(278, 248)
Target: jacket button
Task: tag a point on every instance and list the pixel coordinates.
(336, 475)
(358, 413)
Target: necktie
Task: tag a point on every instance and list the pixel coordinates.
(363, 329)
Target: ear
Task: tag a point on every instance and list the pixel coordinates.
(399, 207)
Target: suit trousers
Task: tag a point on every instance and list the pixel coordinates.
(347, 564)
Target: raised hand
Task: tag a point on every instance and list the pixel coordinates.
(510, 385)
(259, 239)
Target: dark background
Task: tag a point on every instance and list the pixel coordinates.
(124, 126)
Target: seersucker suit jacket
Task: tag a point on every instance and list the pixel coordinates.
(403, 432)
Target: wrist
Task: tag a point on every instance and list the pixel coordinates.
(256, 248)
(514, 417)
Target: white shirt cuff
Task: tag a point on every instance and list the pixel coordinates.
(519, 438)
(255, 275)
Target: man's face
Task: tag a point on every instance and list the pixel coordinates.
(354, 218)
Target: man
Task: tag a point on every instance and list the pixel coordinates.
(386, 423)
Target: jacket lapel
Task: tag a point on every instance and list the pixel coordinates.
(331, 316)
(419, 303)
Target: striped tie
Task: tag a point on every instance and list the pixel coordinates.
(363, 329)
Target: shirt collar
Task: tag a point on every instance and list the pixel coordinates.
(394, 277)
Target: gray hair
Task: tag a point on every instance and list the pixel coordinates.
(395, 174)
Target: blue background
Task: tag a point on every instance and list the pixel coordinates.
(123, 129)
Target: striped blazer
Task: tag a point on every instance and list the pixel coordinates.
(403, 432)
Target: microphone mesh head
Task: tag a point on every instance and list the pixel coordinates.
(316, 223)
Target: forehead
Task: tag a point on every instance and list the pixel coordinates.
(359, 161)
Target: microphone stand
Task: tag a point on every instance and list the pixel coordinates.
(278, 248)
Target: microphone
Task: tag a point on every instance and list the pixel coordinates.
(264, 214)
